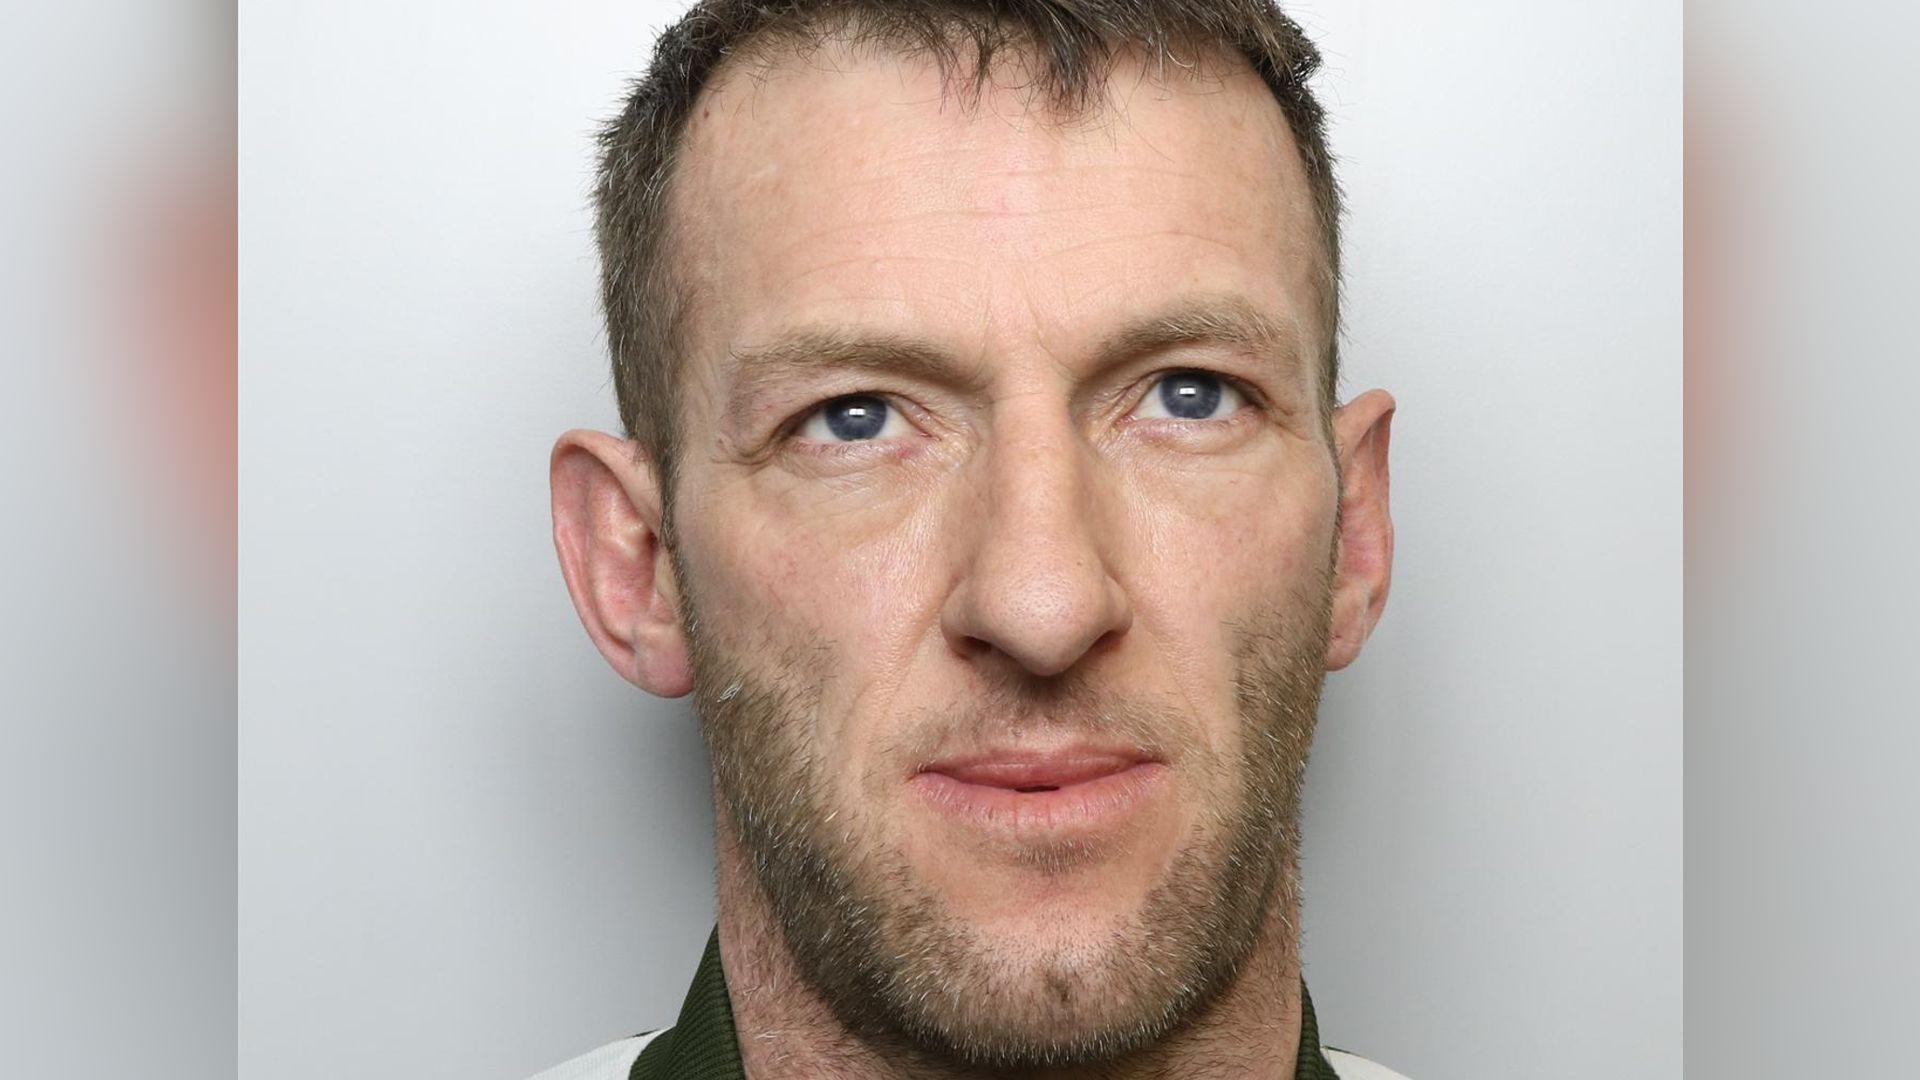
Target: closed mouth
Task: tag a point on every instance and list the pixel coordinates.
(1033, 772)
(1024, 794)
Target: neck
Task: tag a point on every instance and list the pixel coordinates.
(786, 1031)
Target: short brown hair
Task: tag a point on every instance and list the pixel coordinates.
(1070, 46)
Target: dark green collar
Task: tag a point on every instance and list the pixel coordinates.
(702, 1044)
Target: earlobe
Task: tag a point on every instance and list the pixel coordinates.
(607, 532)
(1363, 568)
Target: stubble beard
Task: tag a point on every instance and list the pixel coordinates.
(879, 946)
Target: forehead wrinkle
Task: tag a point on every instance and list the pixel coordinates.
(860, 229)
(805, 272)
(1133, 239)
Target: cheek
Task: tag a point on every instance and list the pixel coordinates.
(841, 582)
(1234, 541)
(847, 609)
(1217, 555)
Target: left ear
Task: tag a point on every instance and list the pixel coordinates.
(1364, 566)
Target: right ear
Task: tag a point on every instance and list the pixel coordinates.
(607, 529)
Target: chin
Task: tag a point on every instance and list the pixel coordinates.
(1060, 968)
(1058, 921)
(1070, 996)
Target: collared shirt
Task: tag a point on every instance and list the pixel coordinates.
(702, 1044)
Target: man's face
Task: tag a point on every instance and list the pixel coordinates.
(1005, 525)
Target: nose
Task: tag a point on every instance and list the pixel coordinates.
(1036, 587)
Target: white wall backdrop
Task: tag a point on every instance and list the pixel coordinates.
(468, 850)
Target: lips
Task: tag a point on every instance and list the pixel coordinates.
(1024, 793)
(1035, 772)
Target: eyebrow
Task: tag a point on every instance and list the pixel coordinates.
(1216, 320)
(818, 349)
(1222, 320)
(796, 354)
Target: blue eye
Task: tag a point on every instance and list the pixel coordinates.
(854, 418)
(1190, 395)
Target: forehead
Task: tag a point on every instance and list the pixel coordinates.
(858, 188)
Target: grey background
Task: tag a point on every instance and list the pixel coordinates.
(467, 849)
(117, 952)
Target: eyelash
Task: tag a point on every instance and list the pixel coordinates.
(788, 433)
(1247, 394)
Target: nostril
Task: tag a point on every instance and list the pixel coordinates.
(973, 647)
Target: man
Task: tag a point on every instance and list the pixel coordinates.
(984, 485)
